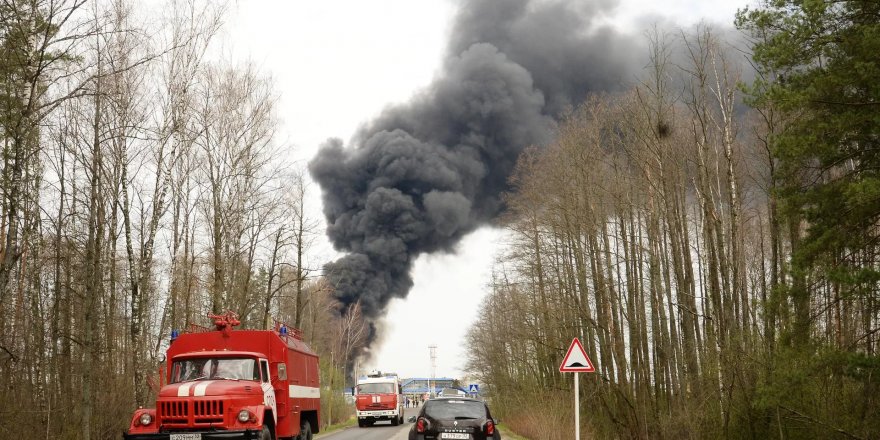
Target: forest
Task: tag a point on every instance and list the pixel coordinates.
(142, 189)
(711, 235)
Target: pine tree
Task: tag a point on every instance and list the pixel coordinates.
(818, 67)
(825, 64)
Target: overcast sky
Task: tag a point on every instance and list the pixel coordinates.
(338, 63)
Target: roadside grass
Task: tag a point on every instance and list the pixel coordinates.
(507, 434)
(535, 414)
(338, 426)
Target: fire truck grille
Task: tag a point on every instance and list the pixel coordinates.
(174, 412)
(208, 411)
(178, 412)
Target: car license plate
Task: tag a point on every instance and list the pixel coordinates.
(455, 435)
(186, 437)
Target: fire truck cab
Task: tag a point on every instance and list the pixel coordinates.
(378, 397)
(243, 384)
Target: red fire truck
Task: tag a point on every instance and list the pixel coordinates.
(378, 397)
(242, 384)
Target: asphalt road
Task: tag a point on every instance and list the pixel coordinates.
(379, 431)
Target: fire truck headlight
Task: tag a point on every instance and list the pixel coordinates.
(146, 419)
(244, 415)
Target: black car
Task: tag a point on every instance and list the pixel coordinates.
(454, 418)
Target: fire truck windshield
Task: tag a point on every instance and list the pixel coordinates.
(375, 388)
(214, 368)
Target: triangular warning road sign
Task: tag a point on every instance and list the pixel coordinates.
(576, 360)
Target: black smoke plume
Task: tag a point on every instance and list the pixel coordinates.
(423, 174)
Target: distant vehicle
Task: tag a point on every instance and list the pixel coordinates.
(378, 397)
(452, 392)
(454, 418)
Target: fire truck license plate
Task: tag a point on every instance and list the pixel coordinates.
(186, 437)
(454, 435)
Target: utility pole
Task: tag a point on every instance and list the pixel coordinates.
(433, 350)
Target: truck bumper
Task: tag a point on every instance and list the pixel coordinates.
(376, 415)
(206, 435)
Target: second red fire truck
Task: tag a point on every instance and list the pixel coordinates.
(378, 397)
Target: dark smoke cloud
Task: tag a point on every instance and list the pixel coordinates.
(422, 175)
(563, 44)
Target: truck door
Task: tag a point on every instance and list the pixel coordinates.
(268, 391)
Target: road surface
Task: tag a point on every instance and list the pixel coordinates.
(379, 431)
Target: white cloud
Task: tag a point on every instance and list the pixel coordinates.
(440, 308)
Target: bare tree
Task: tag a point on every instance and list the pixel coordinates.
(234, 126)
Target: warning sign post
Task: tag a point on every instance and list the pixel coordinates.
(576, 361)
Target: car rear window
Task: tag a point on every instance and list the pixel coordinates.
(454, 408)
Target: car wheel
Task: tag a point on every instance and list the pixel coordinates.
(305, 431)
(266, 434)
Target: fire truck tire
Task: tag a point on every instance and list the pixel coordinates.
(305, 431)
(266, 434)
(395, 421)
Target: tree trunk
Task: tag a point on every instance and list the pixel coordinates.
(94, 276)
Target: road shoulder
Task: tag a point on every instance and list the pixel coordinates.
(507, 434)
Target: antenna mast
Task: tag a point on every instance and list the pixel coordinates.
(433, 349)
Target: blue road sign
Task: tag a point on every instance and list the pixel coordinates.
(473, 388)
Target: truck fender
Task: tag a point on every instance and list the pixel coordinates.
(259, 412)
(136, 427)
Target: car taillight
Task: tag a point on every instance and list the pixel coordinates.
(420, 425)
(490, 428)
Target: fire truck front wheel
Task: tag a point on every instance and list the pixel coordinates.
(266, 434)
